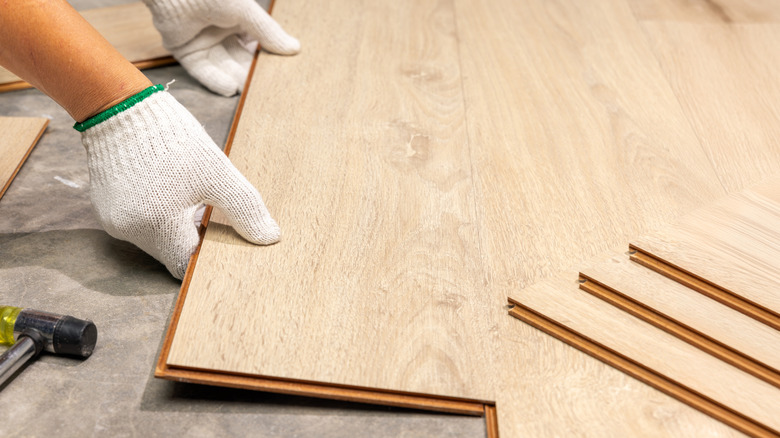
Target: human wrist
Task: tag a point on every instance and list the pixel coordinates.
(117, 108)
(106, 93)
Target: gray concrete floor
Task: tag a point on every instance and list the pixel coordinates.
(55, 257)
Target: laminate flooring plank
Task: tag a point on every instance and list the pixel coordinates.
(548, 388)
(577, 141)
(577, 137)
(707, 11)
(719, 329)
(733, 244)
(409, 216)
(18, 136)
(725, 76)
(694, 376)
(359, 145)
(128, 28)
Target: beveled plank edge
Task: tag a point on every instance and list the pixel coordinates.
(704, 286)
(141, 65)
(327, 391)
(682, 331)
(24, 158)
(491, 420)
(640, 372)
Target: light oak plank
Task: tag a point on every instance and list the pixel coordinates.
(702, 380)
(716, 328)
(733, 244)
(577, 140)
(18, 136)
(371, 182)
(725, 76)
(596, 145)
(549, 389)
(128, 28)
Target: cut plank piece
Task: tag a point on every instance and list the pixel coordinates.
(732, 247)
(18, 136)
(689, 315)
(383, 280)
(651, 355)
(128, 28)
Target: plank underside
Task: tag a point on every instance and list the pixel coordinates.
(423, 172)
(18, 136)
(128, 28)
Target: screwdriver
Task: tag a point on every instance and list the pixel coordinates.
(32, 331)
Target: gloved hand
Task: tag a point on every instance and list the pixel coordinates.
(151, 165)
(214, 40)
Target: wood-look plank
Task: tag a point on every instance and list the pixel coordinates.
(409, 216)
(714, 327)
(368, 174)
(732, 245)
(597, 148)
(649, 354)
(18, 136)
(128, 28)
(577, 139)
(725, 76)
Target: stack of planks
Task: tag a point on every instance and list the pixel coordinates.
(710, 305)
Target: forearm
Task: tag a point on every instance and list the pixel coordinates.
(48, 44)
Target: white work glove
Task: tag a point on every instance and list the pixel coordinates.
(215, 40)
(151, 166)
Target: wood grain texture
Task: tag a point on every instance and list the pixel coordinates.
(128, 28)
(725, 78)
(704, 287)
(707, 11)
(577, 143)
(387, 250)
(18, 136)
(732, 244)
(687, 314)
(649, 354)
(421, 173)
(576, 138)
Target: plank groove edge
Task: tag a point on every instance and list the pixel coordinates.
(705, 287)
(680, 330)
(7, 183)
(333, 392)
(639, 372)
(491, 420)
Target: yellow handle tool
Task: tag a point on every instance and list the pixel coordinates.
(32, 331)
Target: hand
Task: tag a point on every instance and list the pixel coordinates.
(151, 166)
(215, 40)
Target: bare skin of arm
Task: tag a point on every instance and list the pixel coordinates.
(48, 44)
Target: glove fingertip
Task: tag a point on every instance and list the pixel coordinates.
(291, 46)
(266, 232)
